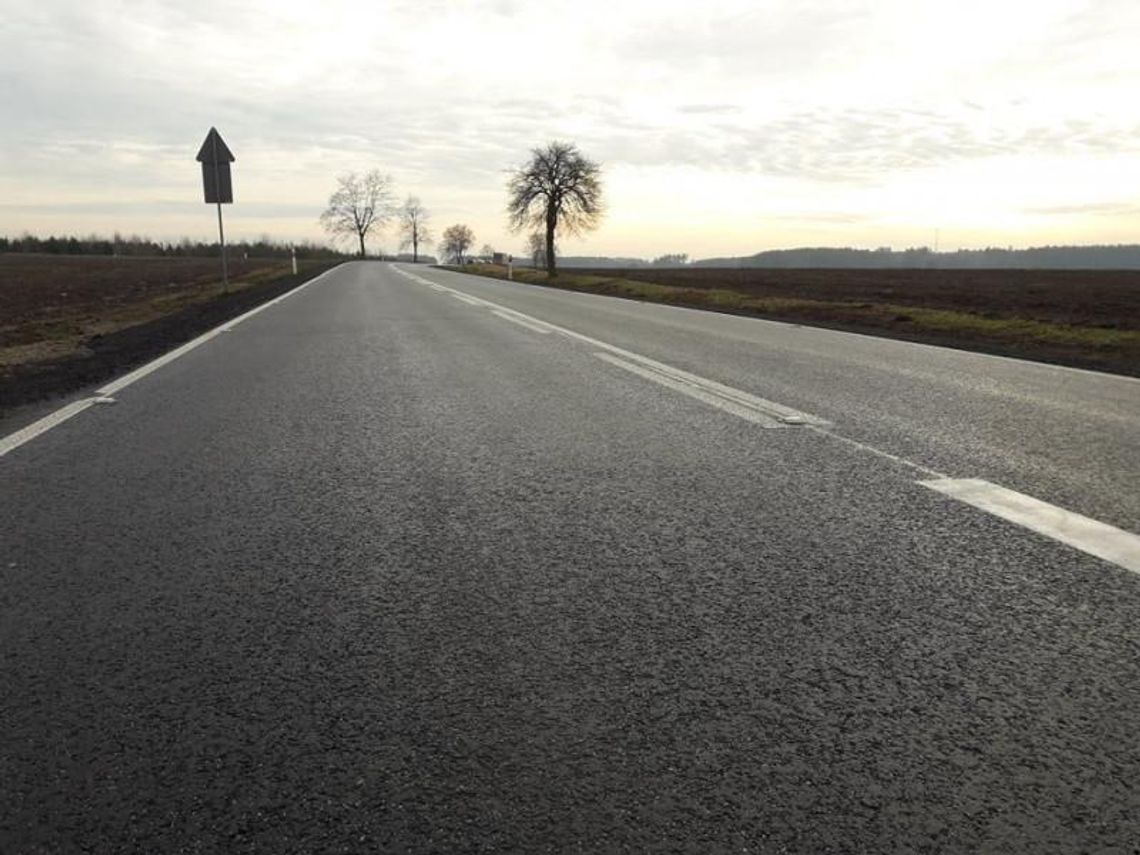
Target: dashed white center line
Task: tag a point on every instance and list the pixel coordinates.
(1088, 535)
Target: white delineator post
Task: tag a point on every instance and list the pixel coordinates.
(293, 253)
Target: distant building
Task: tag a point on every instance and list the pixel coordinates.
(500, 258)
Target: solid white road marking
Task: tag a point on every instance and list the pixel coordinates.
(522, 322)
(1096, 538)
(103, 395)
(878, 452)
(471, 301)
(774, 411)
(15, 440)
(151, 367)
(127, 379)
(694, 390)
(1088, 535)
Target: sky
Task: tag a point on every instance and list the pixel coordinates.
(722, 128)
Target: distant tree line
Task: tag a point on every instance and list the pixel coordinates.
(1106, 257)
(118, 245)
(1110, 257)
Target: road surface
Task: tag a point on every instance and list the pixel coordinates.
(411, 561)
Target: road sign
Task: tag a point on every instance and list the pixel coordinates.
(216, 157)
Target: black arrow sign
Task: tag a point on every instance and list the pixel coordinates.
(216, 157)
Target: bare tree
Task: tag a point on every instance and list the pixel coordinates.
(536, 249)
(360, 204)
(413, 226)
(558, 190)
(457, 240)
(487, 252)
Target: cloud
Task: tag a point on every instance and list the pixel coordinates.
(857, 145)
(747, 41)
(702, 109)
(105, 108)
(1095, 209)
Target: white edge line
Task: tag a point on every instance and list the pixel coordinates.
(703, 395)
(1102, 375)
(58, 417)
(776, 411)
(1088, 535)
(463, 298)
(522, 322)
(14, 440)
(1083, 533)
(150, 367)
(870, 449)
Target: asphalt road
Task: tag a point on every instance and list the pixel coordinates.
(386, 568)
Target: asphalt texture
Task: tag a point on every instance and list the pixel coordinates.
(380, 571)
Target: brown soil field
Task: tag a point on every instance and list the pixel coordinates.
(1104, 299)
(1087, 319)
(70, 321)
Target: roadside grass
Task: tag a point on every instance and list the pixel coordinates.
(992, 328)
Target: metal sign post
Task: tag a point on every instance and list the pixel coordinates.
(215, 157)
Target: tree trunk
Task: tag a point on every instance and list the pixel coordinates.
(551, 223)
(415, 249)
(361, 235)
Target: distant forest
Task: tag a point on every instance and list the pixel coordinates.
(139, 246)
(1120, 257)
(1116, 257)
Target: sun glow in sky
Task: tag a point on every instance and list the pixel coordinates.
(724, 128)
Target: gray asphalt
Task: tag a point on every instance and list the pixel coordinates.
(382, 571)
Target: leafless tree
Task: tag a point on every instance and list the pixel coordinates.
(536, 249)
(558, 190)
(413, 226)
(457, 240)
(487, 251)
(359, 205)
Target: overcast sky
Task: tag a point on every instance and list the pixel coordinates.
(723, 128)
